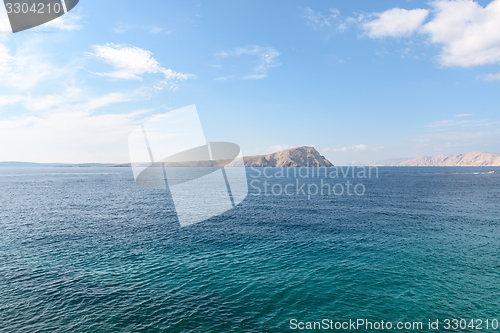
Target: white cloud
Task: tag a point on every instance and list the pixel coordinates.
(4, 22)
(463, 115)
(460, 136)
(69, 22)
(69, 137)
(267, 59)
(67, 129)
(131, 63)
(24, 68)
(457, 141)
(61, 122)
(255, 77)
(44, 102)
(395, 22)
(72, 98)
(350, 21)
(5, 57)
(464, 123)
(76, 100)
(360, 147)
(122, 28)
(317, 20)
(489, 77)
(223, 78)
(278, 148)
(468, 33)
(106, 100)
(344, 149)
(7, 100)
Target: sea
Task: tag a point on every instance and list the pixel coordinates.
(87, 250)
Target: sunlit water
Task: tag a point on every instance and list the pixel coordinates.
(86, 250)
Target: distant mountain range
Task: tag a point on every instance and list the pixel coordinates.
(305, 156)
(13, 164)
(470, 159)
(294, 157)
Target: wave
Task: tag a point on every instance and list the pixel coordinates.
(474, 173)
(459, 173)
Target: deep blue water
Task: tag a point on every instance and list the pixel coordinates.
(86, 250)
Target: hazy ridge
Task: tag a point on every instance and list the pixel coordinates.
(469, 159)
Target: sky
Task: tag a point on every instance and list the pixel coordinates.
(361, 81)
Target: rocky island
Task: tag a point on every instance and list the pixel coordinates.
(294, 157)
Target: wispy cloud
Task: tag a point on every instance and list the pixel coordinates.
(468, 123)
(131, 63)
(318, 20)
(223, 78)
(360, 147)
(255, 76)
(122, 28)
(278, 148)
(27, 65)
(489, 77)
(351, 21)
(71, 21)
(267, 59)
(43, 102)
(463, 115)
(446, 142)
(72, 98)
(75, 136)
(395, 22)
(459, 135)
(68, 129)
(5, 27)
(71, 123)
(9, 99)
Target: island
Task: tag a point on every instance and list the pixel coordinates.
(305, 156)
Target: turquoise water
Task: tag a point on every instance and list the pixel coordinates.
(86, 250)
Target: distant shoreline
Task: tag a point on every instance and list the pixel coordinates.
(123, 165)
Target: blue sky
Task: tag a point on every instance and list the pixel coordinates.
(360, 80)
